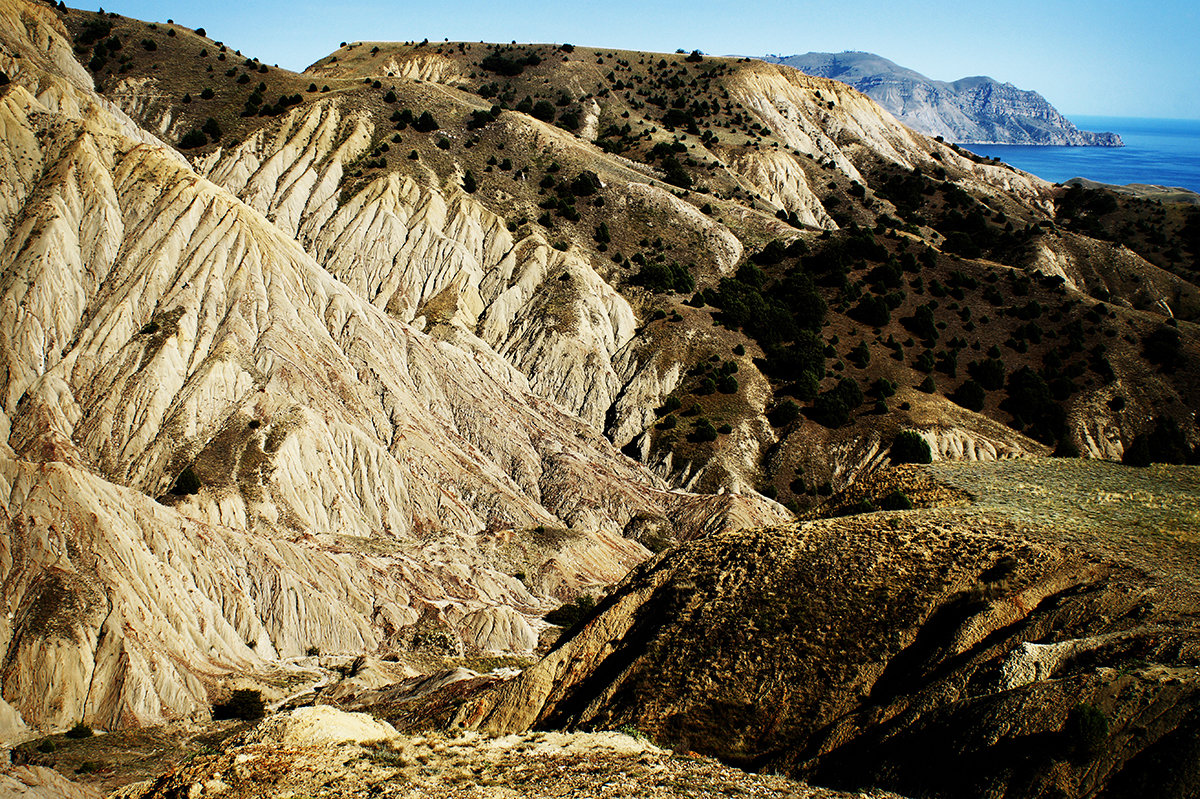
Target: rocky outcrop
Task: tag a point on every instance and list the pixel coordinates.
(976, 110)
(1021, 663)
(781, 182)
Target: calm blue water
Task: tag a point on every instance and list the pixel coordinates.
(1164, 152)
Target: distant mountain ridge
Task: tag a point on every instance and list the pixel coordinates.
(974, 110)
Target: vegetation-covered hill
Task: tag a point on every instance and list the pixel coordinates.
(793, 252)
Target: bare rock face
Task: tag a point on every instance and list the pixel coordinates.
(327, 475)
(854, 652)
(320, 726)
(436, 256)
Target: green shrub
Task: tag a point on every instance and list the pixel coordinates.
(1031, 403)
(671, 404)
(989, 374)
(829, 410)
(46, 746)
(469, 183)
(245, 704)
(806, 387)
(212, 129)
(425, 122)
(675, 174)
(569, 614)
(662, 278)
(871, 310)
(1086, 731)
(897, 500)
(784, 414)
(1066, 449)
(80, 730)
(1163, 347)
(859, 506)
(187, 483)
(193, 139)
(970, 395)
(703, 431)
(1164, 443)
(509, 67)
(585, 184)
(569, 120)
(910, 447)
(860, 356)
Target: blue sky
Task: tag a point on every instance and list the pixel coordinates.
(1087, 57)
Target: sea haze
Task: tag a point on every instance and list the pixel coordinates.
(1164, 152)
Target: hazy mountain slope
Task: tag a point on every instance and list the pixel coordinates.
(150, 322)
(976, 110)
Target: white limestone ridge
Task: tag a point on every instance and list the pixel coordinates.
(368, 434)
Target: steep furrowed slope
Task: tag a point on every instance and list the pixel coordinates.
(161, 338)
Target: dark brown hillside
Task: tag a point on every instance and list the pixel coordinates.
(1164, 232)
(1036, 644)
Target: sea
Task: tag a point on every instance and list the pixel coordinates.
(1161, 152)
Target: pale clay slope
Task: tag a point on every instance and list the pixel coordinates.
(428, 253)
(432, 254)
(39, 782)
(436, 254)
(147, 318)
(788, 102)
